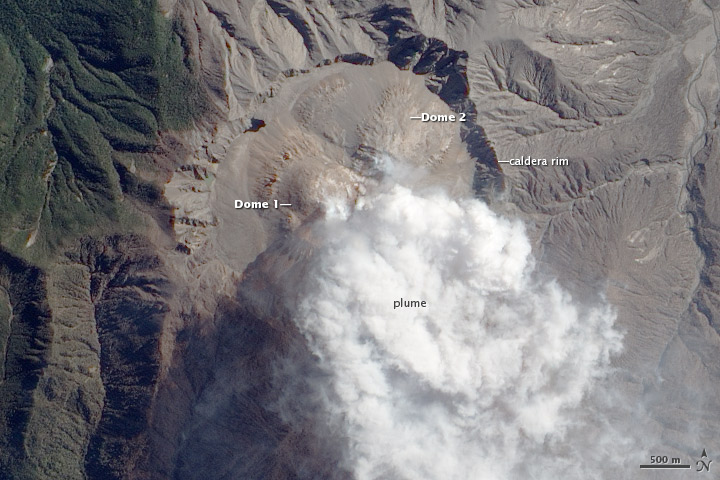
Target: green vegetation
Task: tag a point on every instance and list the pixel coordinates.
(5, 313)
(82, 84)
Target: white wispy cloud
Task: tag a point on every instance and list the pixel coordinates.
(492, 373)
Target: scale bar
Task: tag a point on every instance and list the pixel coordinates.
(652, 467)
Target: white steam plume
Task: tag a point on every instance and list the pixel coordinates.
(490, 376)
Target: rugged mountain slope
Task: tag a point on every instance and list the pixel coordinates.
(153, 352)
(87, 88)
(597, 84)
(82, 359)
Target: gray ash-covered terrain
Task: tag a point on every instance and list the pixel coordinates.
(151, 329)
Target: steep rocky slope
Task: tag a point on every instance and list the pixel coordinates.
(155, 354)
(623, 91)
(87, 88)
